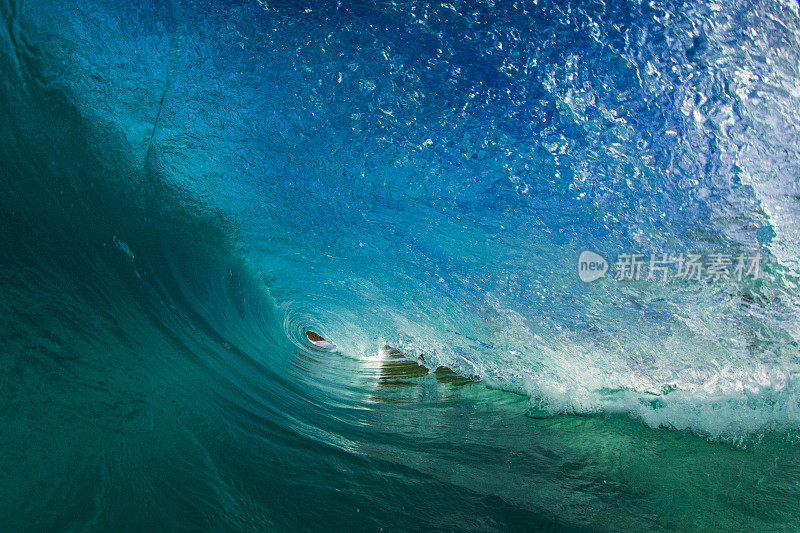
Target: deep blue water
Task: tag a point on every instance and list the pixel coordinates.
(187, 188)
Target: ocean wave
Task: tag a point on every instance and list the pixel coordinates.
(191, 188)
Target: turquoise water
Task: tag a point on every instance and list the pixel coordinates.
(188, 188)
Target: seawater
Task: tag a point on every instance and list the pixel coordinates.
(189, 187)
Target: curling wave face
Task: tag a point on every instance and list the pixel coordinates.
(189, 189)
